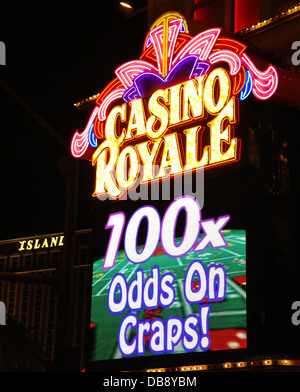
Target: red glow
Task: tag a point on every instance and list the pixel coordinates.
(207, 14)
(224, 339)
(246, 13)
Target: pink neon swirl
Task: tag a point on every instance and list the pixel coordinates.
(173, 27)
(264, 82)
(227, 56)
(156, 36)
(157, 39)
(113, 96)
(128, 71)
(201, 44)
(80, 141)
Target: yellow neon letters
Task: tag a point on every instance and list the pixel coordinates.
(167, 132)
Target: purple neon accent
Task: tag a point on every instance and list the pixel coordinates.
(146, 83)
(201, 69)
(182, 28)
(183, 69)
(148, 42)
(130, 94)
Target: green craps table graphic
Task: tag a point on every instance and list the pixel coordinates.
(227, 318)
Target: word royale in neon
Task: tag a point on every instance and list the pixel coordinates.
(171, 111)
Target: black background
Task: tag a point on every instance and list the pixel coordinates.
(57, 54)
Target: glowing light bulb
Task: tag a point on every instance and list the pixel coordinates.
(126, 5)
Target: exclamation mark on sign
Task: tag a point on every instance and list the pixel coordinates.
(205, 339)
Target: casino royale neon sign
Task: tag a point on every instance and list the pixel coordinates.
(196, 99)
(173, 110)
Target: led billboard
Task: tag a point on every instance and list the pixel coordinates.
(170, 295)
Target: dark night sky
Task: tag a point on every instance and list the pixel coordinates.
(56, 55)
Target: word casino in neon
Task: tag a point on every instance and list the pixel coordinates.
(172, 110)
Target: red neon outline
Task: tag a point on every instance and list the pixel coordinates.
(230, 44)
(264, 82)
(207, 45)
(111, 97)
(112, 85)
(174, 26)
(156, 36)
(128, 71)
(227, 56)
(201, 44)
(238, 81)
(80, 141)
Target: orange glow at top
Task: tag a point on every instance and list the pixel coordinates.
(126, 5)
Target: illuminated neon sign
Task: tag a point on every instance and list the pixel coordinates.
(38, 243)
(174, 108)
